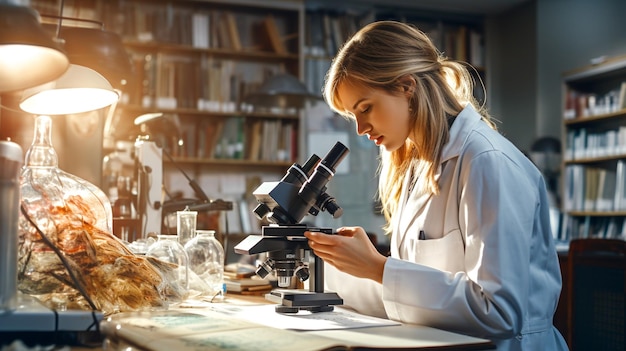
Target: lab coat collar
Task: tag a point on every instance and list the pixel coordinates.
(463, 124)
(411, 203)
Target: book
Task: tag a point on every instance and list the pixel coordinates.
(619, 186)
(606, 190)
(233, 31)
(252, 284)
(591, 189)
(200, 34)
(273, 35)
(222, 31)
(621, 102)
(238, 270)
(254, 140)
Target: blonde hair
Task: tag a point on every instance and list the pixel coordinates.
(381, 55)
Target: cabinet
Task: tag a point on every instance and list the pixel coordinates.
(594, 159)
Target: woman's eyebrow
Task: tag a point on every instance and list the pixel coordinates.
(357, 103)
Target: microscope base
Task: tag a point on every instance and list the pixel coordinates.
(292, 301)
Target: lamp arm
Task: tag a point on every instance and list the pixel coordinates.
(192, 183)
(61, 18)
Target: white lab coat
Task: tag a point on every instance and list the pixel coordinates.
(488, 266)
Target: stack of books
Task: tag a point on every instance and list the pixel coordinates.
(246, 282)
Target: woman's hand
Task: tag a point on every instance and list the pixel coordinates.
(350, 251)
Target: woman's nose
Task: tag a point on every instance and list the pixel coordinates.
(362, 128)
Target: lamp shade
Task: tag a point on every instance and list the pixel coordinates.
(281, 90)
(79, 90)
(28, 54)
(99, 50)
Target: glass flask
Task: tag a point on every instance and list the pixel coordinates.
(206, 259)
(68, 257)
(167, 249)
(43, 181)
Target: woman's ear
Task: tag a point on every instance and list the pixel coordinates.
(408, 84)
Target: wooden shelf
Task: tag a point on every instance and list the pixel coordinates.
(589, 120)
(238, 163)
(249, 53)
(595, 160)
(596, 213)
(196, 112)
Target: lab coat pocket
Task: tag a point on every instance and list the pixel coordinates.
(446, 253)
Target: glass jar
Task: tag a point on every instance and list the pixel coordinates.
(167, 249)
(206, 259)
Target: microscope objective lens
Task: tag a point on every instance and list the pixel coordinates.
(284, 282)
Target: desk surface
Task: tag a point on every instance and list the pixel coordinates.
(206, 324)
(168, 329)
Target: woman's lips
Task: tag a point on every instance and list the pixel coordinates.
(376, 139)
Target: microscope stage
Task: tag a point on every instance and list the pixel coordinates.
(292, 300)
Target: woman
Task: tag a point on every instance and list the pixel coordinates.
(471, 246)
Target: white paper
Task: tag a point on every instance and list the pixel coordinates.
(339, 318)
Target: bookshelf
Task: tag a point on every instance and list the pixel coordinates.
(594, 159)
(459, 37)
(196, 62)
(201, 70)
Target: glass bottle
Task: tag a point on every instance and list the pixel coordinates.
(43, 183)
(65, 235)
(168, 249)
(206, 259)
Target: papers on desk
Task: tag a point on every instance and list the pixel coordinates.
(182, 331)
(207, 329)
(304, 320)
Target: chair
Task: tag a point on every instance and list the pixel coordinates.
(597, 290)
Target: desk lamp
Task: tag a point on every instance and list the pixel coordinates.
(28, 55)
(87, 43)
(79, 89)
(100, 50)
(281, 90)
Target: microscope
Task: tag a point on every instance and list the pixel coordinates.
(284, 204)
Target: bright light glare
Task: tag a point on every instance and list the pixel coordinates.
(24, 66)
(68, 101)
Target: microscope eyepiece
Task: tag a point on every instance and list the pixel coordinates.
(261, 210)
(334, 156)
(297, 174)
(310, 164)
(301, 190)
